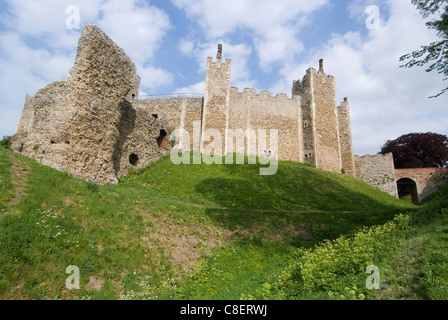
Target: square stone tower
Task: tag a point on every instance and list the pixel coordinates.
(320, 119)
(216, 104)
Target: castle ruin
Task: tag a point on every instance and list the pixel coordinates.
(94, 125)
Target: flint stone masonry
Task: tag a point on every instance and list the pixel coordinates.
(216, 105)
(85, 125)
(252, 111)
(26, 117)
(177, 113)
(345, 137)
(378, 171)
(320, 119)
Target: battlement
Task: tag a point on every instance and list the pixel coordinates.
(218, 62)
(344, 106)
(250, 92)
(320, 74)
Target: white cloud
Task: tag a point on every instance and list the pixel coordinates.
(46, 19)
(197, 88)
(138, 28)
(25, 70)
(154, 78)
(135, 25)
(239, 53)
(219, 18)
(272, 24)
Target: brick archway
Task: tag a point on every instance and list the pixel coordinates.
(407, 186)
(427, 180)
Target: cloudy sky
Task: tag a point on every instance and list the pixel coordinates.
(271, 43)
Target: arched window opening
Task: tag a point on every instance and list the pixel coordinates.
(162, 140)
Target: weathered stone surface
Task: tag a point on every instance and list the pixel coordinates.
(345, 137)
(85, 124)
(216, 101)
(320, 119)
(378, 171)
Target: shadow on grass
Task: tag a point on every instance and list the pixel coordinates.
(328, 205)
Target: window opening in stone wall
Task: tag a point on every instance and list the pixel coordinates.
(133, 159)
(156, 116)
(162, 140)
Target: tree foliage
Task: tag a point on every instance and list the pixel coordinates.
(5, 142)
(436, 53)
(418, 150)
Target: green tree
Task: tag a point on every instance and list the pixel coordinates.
(5, 142)
(435, 55)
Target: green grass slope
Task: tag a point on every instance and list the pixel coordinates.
(180, 232)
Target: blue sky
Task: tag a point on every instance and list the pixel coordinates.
(271, 43)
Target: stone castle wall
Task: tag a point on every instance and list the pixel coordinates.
(93, 124)
(178, 113)
(320, 119)
(26, 117)
(249, 110)
(328, 152)
(378, 171)
(216, 106)
(304, 90)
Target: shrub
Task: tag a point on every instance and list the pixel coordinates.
(333, 266)
(5, 142)
(321, 267)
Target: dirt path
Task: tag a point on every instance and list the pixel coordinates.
(19, 178)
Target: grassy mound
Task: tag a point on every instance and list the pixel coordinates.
(181, 232)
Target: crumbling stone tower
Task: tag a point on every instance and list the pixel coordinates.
(345, 137)
(216, 99)
(87, 125)
(320, 119)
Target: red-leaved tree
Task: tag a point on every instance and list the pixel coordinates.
(418, 150)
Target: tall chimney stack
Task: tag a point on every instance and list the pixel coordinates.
(321, 65)
(219, 55)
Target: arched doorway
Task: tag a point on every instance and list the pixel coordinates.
(408, 187)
